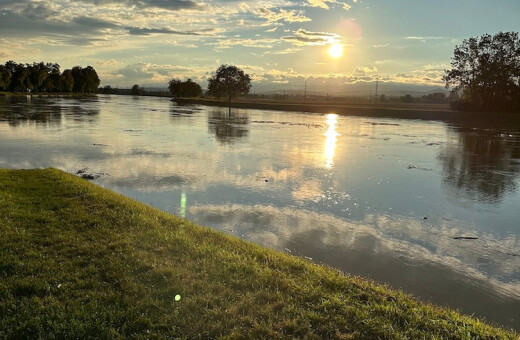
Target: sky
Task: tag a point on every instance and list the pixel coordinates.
(282, 44)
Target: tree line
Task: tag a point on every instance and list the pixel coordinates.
(485, 73)
(228, 81)
(46, 77)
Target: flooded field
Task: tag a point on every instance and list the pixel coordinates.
(429, 207)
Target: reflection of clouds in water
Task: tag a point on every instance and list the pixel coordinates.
(307, 191)
(407, 239)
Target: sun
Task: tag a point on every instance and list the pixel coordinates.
(336, 50)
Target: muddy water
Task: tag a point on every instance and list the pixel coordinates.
(429, 207)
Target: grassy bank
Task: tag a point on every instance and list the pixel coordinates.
(79, 261)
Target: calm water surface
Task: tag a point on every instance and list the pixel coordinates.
(380, 198)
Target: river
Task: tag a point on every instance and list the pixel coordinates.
(426, 206)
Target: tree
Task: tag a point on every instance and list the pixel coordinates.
(184, 89)
(66, 81)
(107, 89)
(91, 79)
(52, 82)
(5, 78)
(20, 81)
(86, 79)
(486, 71)
(229, 81)
(135, 90)
(79, 79)
(38, 73)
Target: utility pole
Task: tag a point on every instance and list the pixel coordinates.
(377, 85)
(305, 92)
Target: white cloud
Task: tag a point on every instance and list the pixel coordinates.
(281, 15)
(325, 4)
(303, 37)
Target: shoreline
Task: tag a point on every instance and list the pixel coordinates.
(78, 259)
(47, 95)
(418, 111)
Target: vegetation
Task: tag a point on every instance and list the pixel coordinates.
(229, 81)
(184, 89)
(78, 261)
(486, 73)
(46, 77)
(135, 90)
(142, 91)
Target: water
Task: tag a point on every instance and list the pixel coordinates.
(380, 198)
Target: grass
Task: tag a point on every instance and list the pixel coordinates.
(80, 261)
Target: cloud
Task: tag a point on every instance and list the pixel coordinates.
(107, 62)
(424, 38)
(282, 15)
(136, 72)
(304, 37)
(165, 30)
(38, 11)
(319, 3)
(148, 73)
(397, 239)
(363, 70)
(325, 4)
(171, 5)
(256, 43)
(289, 50)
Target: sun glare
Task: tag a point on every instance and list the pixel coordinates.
(336, 50)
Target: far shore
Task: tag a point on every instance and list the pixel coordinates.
(47, 94)
(440, 112)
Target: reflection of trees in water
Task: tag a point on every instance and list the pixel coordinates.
(81, 114)
(228, 124)
(44, 111)
(481, 163)
(21, 109)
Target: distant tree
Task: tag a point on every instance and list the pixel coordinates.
(437, 97)
(79, 79)
(86, 79)
(11, 66)
(229, 81)
(52, 82)
(91, 79)
(20, 81)
(38, 73)
(107, 89)
(184, 89)
(66, 81)
(135, 90)
(407, 98)
(192, 89)
(486, 71)
(5, 78)
(174, 85)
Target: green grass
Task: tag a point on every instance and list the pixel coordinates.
(79, 261)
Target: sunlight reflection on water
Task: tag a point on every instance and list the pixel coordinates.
(330, 142)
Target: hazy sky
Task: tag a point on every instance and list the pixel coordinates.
(280, 41)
